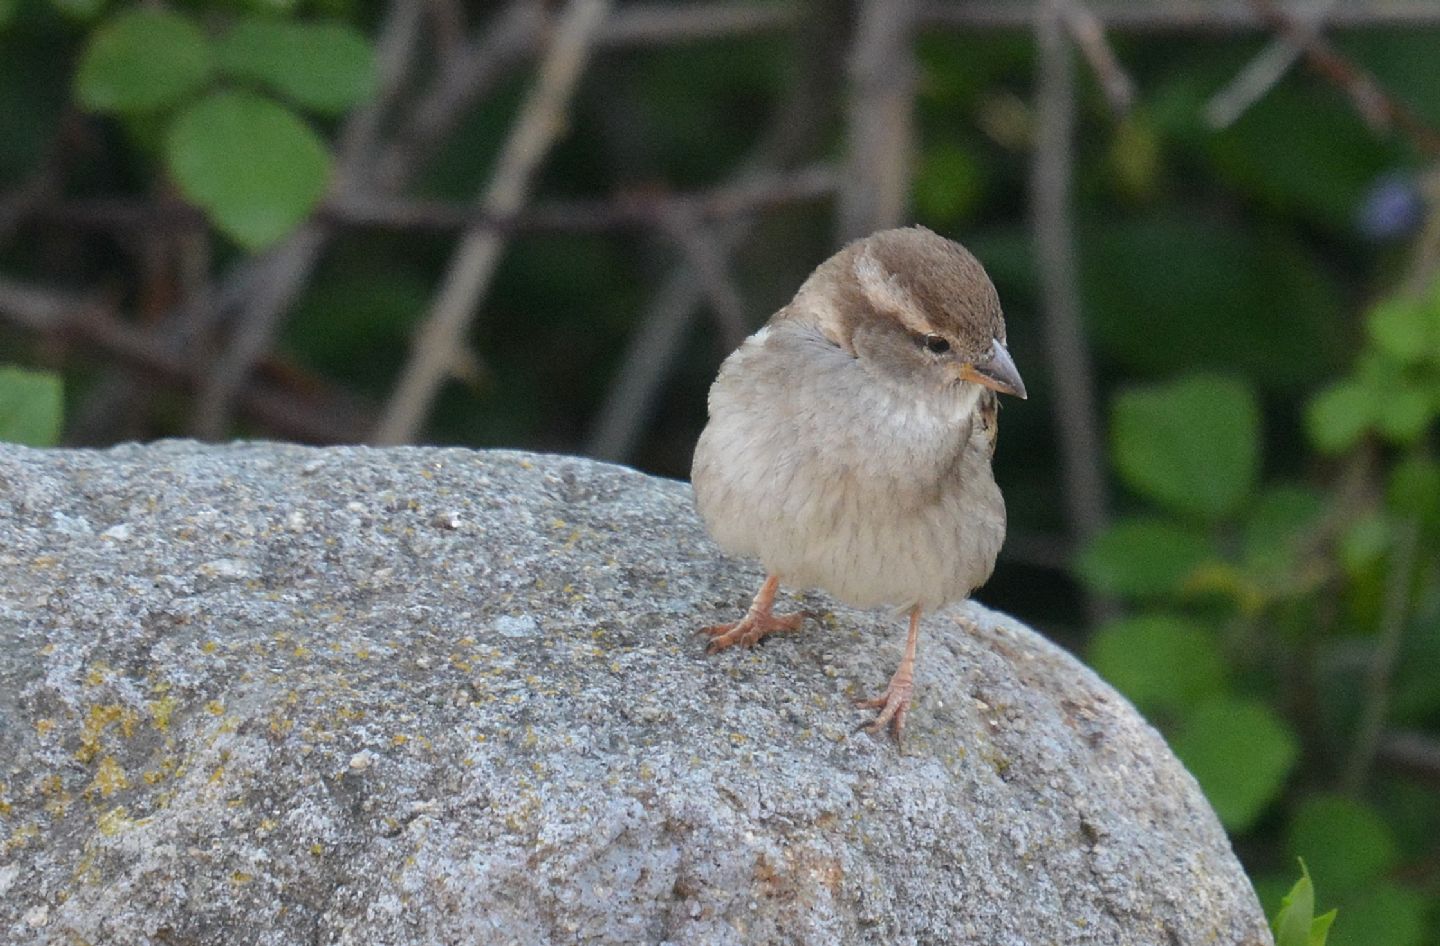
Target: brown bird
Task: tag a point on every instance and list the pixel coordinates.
(850, 438)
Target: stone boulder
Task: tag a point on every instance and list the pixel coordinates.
(263, 694)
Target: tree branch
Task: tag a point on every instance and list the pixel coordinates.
(880, 147)
(539, 124)
(94, 326)
(1076, 414)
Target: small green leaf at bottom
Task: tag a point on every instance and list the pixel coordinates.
(1296, 924)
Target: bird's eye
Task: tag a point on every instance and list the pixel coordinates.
(937, 344)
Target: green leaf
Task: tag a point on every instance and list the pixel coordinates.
(254, 166)
(7, 11)
(1363, 543)
(1139, 557)
(1405, 413)
(326, 67)
(31, 407)
(1192, 445)
(1345, 842)
(1158, 661)
(1414, 489)
(1296, 924)
(1405, 328)
(1340, 415)
(1282, 519)
(1240, 752)
(142, 60)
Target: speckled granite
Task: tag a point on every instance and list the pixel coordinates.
(266, 694)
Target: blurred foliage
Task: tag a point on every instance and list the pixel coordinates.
(1252, 593)
(252, 162)
(31, 406)
(1273, 382)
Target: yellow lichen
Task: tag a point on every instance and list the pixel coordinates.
(215, 708)
(96, 722)
(160, 712)
(109, 777)
(115, 821)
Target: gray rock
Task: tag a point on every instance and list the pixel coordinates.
(274, 695)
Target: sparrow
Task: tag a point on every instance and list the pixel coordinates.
(849, 442)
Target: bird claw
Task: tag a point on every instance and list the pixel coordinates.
(749, 630)
(893, 705)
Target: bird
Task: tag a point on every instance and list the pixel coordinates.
(849, 442)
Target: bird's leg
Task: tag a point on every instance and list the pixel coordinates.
(756, 623)
(894, 703)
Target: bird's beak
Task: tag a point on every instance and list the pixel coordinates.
(997, 372)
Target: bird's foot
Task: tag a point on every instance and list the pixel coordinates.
(893, 704)
(748, 631)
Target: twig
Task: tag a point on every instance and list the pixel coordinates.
(796, 129)
(1174, 16)
(519, 30)
(881, 139)
(540, 123)
(1089, 34)
(360, 209)
(1376, 106)
(657, 24)
(1393, 616)
(1265, 70)
(283, 273)
(1416, 754)
(94, 326)
(638, 210)
(287, 269)
(707, 261)
(461, 79)
(1052, 223)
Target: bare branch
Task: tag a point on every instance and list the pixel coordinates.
(359, 209)
(1369, 98)
(1415, 754)
(462, 78)
(581, 216)
(92, 325)
(1089, 34)
(1051, 219)
(881, 136)
(652, 24)
(1176, 16)
(707, 261)
(287, 269)
(1394, 613)
(796, 129)
(539, 124)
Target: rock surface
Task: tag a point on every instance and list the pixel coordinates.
(275, 695)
